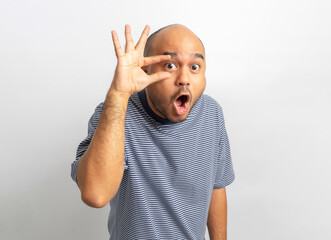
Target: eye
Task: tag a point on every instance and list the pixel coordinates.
(171, 66)
(195, 67)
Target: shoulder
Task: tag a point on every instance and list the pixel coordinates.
(210, 100)
(94, 120)
(99, 107)
(98, 110)
(210, 104)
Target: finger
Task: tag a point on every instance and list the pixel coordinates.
(128, 37)
(118, 50)
(155, 59)
(142, 40)
(159, 76)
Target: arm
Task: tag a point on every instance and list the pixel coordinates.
(100, 169)
(217, 217)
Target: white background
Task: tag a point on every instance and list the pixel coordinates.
(268, 65)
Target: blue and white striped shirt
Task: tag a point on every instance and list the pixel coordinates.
(170, 171)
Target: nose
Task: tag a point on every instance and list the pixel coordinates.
(183, 77)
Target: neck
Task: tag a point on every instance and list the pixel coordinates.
(151, 105)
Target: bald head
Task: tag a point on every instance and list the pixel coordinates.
(186, 69)
(169, 33)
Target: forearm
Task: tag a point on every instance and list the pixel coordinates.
(217, 217)
(100, 169)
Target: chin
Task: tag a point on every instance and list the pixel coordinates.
(178, 119)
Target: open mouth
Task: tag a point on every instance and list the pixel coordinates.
(181, 100)
(181, 103)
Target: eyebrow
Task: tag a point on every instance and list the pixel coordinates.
(199, 55)
(195, 55)
(172, 54)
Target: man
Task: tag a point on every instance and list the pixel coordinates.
(157, 148)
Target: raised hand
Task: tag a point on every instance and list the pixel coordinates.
(129, 77)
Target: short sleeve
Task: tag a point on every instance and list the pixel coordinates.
(92, 125)
(224, 172)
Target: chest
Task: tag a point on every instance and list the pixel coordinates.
(181, 161)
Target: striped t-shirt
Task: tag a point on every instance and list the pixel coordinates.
(170, 171)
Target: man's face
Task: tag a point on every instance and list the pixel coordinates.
(173, 98)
